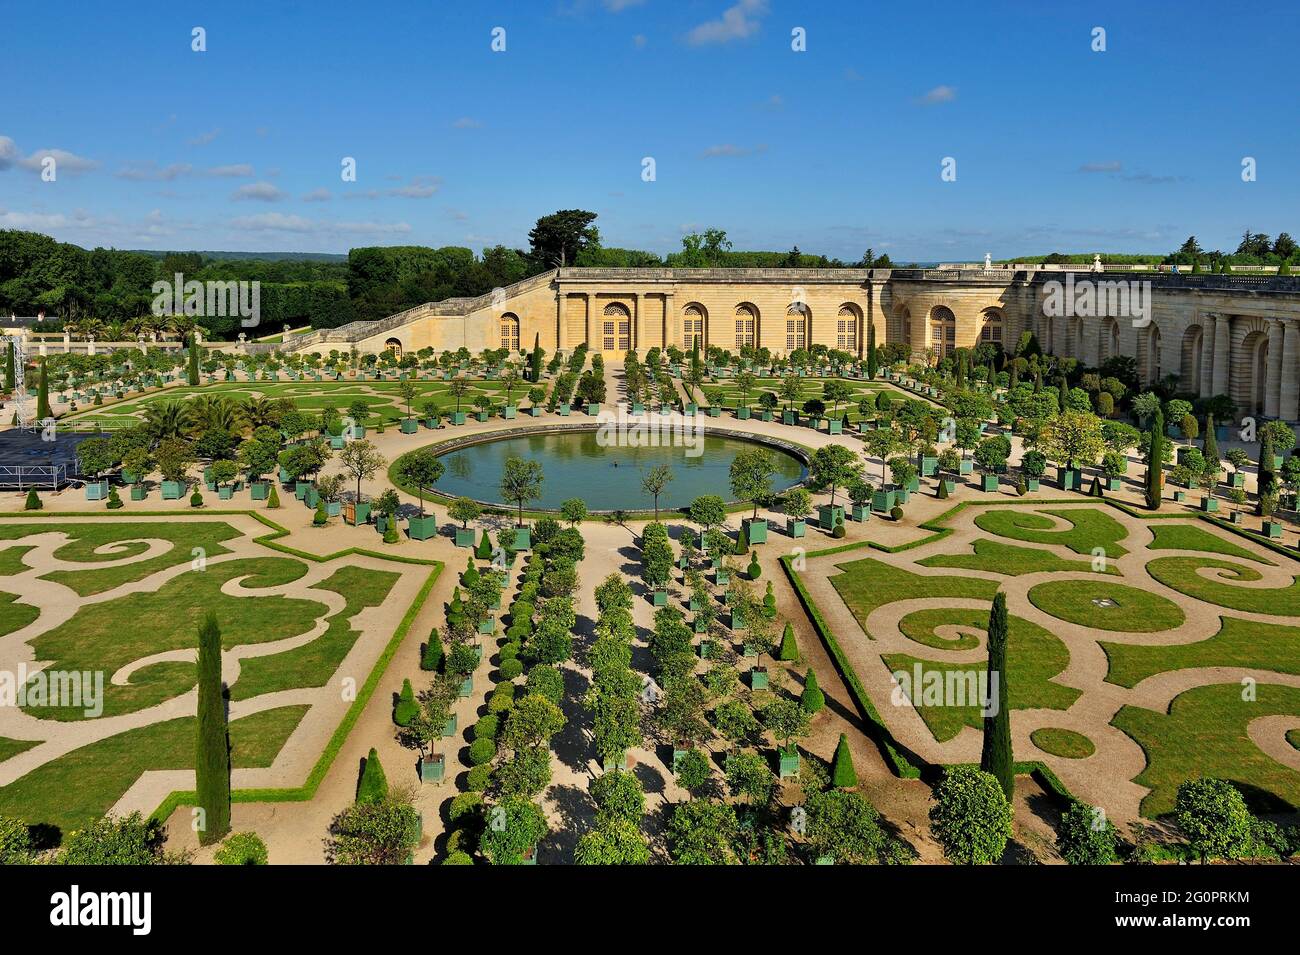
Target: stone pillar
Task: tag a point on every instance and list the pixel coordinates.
(1273, 380)
(1207, 356)
(593, 320)
(562, 328)
(1289, 408)
(1222, 353)
(672, 333)
(636, 321)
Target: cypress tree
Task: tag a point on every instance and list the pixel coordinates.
(812, 699)
(43, 395)
(843, 774)
(996, 757)
(1155, 461)
(212, 757)
(872, 366)
(484, 549)
(33, 501)
(1038, 381)
(373, 785)
(192, 370)
(1210, 443)
(535, 360)
(789, 647)
(431, 659)
(1267, 476)
(405, 709)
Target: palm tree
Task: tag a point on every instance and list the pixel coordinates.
(258, 411)
(166, 419)
(213, 412)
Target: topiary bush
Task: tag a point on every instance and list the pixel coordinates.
(478, 778)
(754, 570)
(839, 532)
(502, 699)
(487, 726)
(321, 517)
(843, 774)
(812, 699)
(273, 499)
(457, 857)
(405, 709)
(509, 651)
(390, 534)
(241, 848)
(482, 751)
(196, 499)
(373, 785)
(33, 501)
(462, 805)
(896, 513)
(789, 651)
(114, 500)
(431, 658)
(510, 669)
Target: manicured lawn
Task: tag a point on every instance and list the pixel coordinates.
(1062, 742)
(1180, 574)
(998, 558)
(1134, 611)
(15, 616)
(867, 584)
(314, 663)
(921, 625)
(812, 388)
(1204, 734)
(121, 540)
(1034, 656)
(1172, 536)
(12, 747)
(74, 789)
(106, 636)
(1092, 528)
(1239, 643)
(11, 559)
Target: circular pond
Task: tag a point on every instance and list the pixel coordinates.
(607, 478)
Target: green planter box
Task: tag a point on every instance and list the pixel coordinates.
(97, 490)
(312, 497)
(481, 415)
(432, 770)
(535, 411)
(700, 625)
(882, 502)
(901, 495)
(758, 679)
(464, 537)
(410, 426)
(466, 687)
(860, 512)
(1031, 484)
(765, 415)
(830, 517)
(742, 414)
(721, 576)
(691, 410)
(360, 512)
(715, 411)
(563, 409)
(949, 485)
(458, 417)
(300, 489)
(173, 490)
(226, 492)
(523, 538)
(1209, 504)
(790, 417)
(1272, 530)
(592, 408)
(787, 763)
(756, 529)
(333, 508)
(259, 490)
(1180, 496)
(1238, 479)
(488, 626)
(1235, 517)
(638, 408)
(796, 528)
(835, 426)
(659, 598)
(988, 482)
(137, 492)
(129, 478)
(966, 466)
(338, 442)
(1114, 484)
(1069, 479)
(509, 411)
(928, 466)
(913, 485)
(422, 528)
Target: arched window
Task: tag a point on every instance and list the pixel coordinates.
(846, 329)
(394, 345)
(943, 331)
(693, 327)
(510, 332)
(746, 326)
(796, 327)
(991, 330)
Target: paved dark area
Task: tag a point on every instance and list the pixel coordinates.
(26, 459)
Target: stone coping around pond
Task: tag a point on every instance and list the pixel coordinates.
(797, 451)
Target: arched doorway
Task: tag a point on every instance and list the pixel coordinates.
(796, 327)
(394, 345)
(510, 331)
(695, 327)
(616, 328)
(1254, 347)
(991, 327)
(746, 325)
(1189, 373)
(846, 328)
(943, 331)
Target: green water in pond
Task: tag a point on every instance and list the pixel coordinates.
(574, 464)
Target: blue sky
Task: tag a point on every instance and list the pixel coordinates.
(834, 149)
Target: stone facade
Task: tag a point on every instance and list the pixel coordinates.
(1221, 334)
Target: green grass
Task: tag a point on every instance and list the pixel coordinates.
(107, 636)
(1034, 656)
(127, 539)
(314, 663)
(995, 557)
(920, 627)
(1137, 611)
(1064, 743)
(1091, 528)
(11, 559)
(1180, 574)
(15, 616)
(80, 786)
(1239, 643)
(12, 747)
(1204, 734)
(1192, 537)
(867, 584)
(812, 388)
(1293, 737)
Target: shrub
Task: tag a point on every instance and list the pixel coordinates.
(487, 726)
(431, 658)
(33, 501)
(273, 499)
(1213, 816)
(971, 817)
(482, 751)
(241, 848)
(812, 699)
(510, 669)
(462, 805)
(789, 651)
(373, 785)
(390, 534)
(843, 773)
(839, 532)
(502, 699)
(405, 709)
(196, 499)
(754, 570)
(457, 857)
(896, 513)
(546, 681)
(1081, 840)
(321, 517)
(478, 778)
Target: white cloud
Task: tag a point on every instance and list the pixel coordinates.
(279, 222)
(940, 94)
(318, 195)
(1113, 165)
(8, 152)
(466, 122)
(241, 170)
(261, 191)
(69, 163)
(738, 22)
(731, 149)
(202, 139)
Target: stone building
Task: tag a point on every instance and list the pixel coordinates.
(1220, 334)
